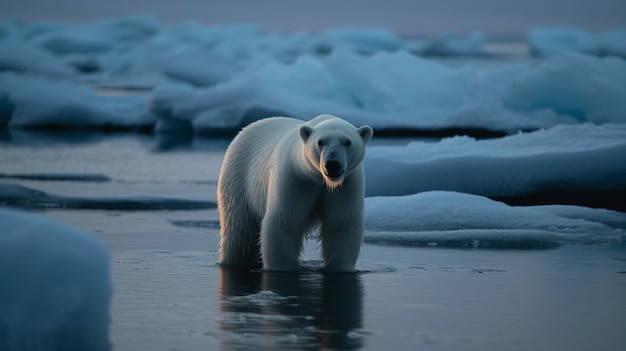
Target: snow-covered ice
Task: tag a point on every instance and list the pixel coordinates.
(387, 90)
(440, 218)
(400, 90)
(223, 77)
(563, 158)
(55, 291)
(18, 56)
(555, 40)
(34, 101)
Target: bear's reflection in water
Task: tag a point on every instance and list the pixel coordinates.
(305, 310)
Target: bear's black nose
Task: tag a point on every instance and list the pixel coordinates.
(332, 169)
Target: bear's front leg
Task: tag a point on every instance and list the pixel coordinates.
(341, 243)
(281, 242)
(342, 227)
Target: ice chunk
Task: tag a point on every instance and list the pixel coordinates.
(23, 57)
(567, 157)
(550, 41)
(40, 102)
(55, 291)
(586, 88)
(399, 90)
(555, 40)
(362, 40)
(102, 36)
(612, 42)
(440, 218)
(450, 45)
(387, 90)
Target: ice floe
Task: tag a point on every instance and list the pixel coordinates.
(34, 101)
(563, 158)
(56, 290)
(223, 77)
(555, 40)
(450, 219)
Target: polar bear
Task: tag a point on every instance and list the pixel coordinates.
(283, 178)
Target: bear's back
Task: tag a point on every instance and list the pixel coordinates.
(250, 157)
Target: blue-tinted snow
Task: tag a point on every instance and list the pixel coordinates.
(35, 101)
(386, 90)
(394, 90)
(567, 157)
(440, 218)
(18, 56)
(555, 40)
(223, 77)
(56, 290)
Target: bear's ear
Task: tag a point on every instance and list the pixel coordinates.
(305, 132)
(366, 133)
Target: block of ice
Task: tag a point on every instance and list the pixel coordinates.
(362, 40)
(440, 218)
(450, 45)
(555, 40)
(98, 37)
(584, 87)
(19, 56)
(32, 101)
(566, 158)
(56, 291)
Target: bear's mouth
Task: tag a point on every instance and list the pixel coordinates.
(333, 170)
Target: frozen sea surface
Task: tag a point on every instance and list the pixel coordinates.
(170, 295)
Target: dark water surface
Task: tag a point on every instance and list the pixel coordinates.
(169, 295)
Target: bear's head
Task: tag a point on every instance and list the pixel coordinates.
(334, 147)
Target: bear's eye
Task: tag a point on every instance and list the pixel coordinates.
(347, 143)
(320, 142)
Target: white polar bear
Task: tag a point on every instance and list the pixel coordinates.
(283, 178)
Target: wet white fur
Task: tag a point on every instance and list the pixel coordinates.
(272, 192)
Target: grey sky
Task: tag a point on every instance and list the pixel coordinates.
(402, 16)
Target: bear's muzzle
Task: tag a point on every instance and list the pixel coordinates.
(333, 169)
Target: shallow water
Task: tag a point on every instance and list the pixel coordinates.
(170, 295)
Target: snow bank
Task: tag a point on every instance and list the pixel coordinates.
(55, 291)
(567, 157)
(450, 45)
(583, 87)
(31, 101)
(139, 46)
(223, 77)
(18, 56)
(440, 218)
(385, 90)
(555, 40)
(399, 90)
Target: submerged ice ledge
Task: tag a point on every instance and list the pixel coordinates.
(74, 177)
(23, 197)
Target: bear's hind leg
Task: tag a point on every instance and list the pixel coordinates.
(239, 241)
